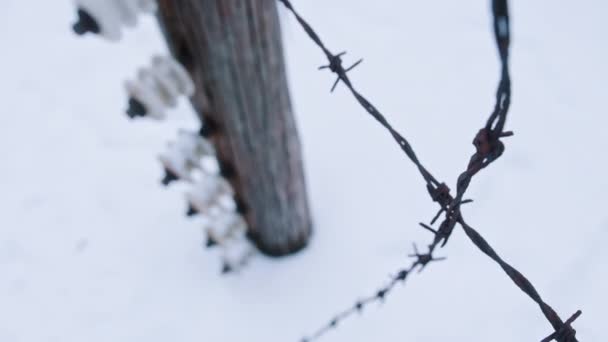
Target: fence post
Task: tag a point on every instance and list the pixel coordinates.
(233, 50)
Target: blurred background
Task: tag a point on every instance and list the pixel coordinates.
(93, 248)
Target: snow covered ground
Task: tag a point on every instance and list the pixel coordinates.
(92, 248)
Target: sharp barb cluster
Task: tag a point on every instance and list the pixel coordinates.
(489, 148)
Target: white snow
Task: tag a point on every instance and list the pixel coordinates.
(93, 248)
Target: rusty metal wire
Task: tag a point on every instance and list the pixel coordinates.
(421, 261)
(488, 147)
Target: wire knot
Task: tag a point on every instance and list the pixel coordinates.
(565, 333)
(335, 66)
(488, 148)
(440, 194)
(335, 62)
(423, 259)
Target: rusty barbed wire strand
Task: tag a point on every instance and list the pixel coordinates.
(421, 260)
(335, 66)
(488, 149)
(563, 331)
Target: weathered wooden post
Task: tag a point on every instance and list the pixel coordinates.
(233, 50)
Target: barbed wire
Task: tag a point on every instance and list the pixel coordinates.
(421, 260)
(488, 147)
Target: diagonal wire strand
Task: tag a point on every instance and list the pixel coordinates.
(489, 148)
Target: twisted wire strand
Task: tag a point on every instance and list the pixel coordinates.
(488, 146)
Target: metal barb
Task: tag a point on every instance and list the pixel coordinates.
(335, 66)
(423, 259)
(565, 333)
(488, 149)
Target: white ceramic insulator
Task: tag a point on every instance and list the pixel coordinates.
(237, 251)
(207, 192)
(159, 86)
(184, 155)
(192, 144)
(178, 164)
(113, 15)
(225, 225)
(169, 68)
(177, 167)
(145, 90)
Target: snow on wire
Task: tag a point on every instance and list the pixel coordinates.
(489, 147)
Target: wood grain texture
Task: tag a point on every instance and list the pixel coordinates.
(233, 50)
